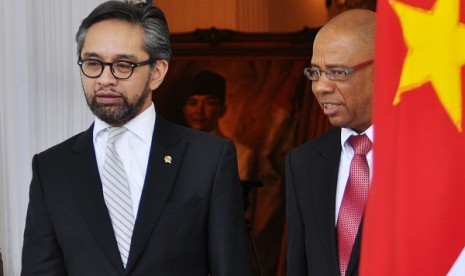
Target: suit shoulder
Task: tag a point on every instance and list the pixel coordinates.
(197, 136)
(199, 145)
(65, 145)
(330, 137)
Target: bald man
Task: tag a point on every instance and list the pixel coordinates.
(317, 172)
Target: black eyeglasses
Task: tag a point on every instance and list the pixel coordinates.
(337, 74)
(93, 68)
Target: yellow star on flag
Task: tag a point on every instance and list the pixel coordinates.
(436, 52)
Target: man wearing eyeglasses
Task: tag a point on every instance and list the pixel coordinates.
(328, 178)
(133, 194)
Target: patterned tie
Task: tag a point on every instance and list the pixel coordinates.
(354, 199)
(117, 195)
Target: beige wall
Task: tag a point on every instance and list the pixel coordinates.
(293, 15)
(187, 15)
(244, 15)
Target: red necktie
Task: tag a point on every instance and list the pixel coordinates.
(354, 199)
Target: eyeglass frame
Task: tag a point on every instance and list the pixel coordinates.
(330, 72)
(103, 64)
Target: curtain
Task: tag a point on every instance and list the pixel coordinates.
(41, 100)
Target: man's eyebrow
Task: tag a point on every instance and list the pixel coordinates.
(117, 57)
(89, 55)
(126, 57)
(328, 66)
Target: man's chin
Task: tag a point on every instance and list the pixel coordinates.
(109, 113)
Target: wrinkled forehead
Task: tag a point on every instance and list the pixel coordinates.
(332, 48)
(114, 37)
(341, 46)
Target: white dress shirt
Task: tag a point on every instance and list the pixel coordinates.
(344, 165)
(133, 148)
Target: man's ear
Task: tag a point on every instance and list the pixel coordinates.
(158, 74)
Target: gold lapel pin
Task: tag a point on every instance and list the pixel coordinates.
(168, 159)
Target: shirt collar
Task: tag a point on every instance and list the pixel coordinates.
(142, 125)
(347, 132)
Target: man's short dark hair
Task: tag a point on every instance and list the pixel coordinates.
(152, 20)
(208, 83)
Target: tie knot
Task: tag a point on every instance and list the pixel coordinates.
(360, 143)
(114, 133)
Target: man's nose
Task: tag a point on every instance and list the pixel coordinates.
(107, 76)
(322, 85)
(200, 108)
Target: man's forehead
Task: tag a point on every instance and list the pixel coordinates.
(203, 97)
(111, 36)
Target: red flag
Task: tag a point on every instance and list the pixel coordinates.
(415, 218)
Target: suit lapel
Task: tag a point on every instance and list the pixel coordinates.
(324, 196)
(87, 188)
(165, 159)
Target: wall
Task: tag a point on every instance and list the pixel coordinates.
(244, 15)
(183, 14)
(293, 15)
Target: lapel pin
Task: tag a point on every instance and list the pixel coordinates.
(168, 159)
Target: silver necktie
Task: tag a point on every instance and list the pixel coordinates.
(117, 195)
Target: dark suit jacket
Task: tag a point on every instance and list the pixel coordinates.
(190, 219)
(311, 179)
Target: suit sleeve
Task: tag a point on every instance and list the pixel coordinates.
(41, 254)
(296, 255)
(228, 250)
